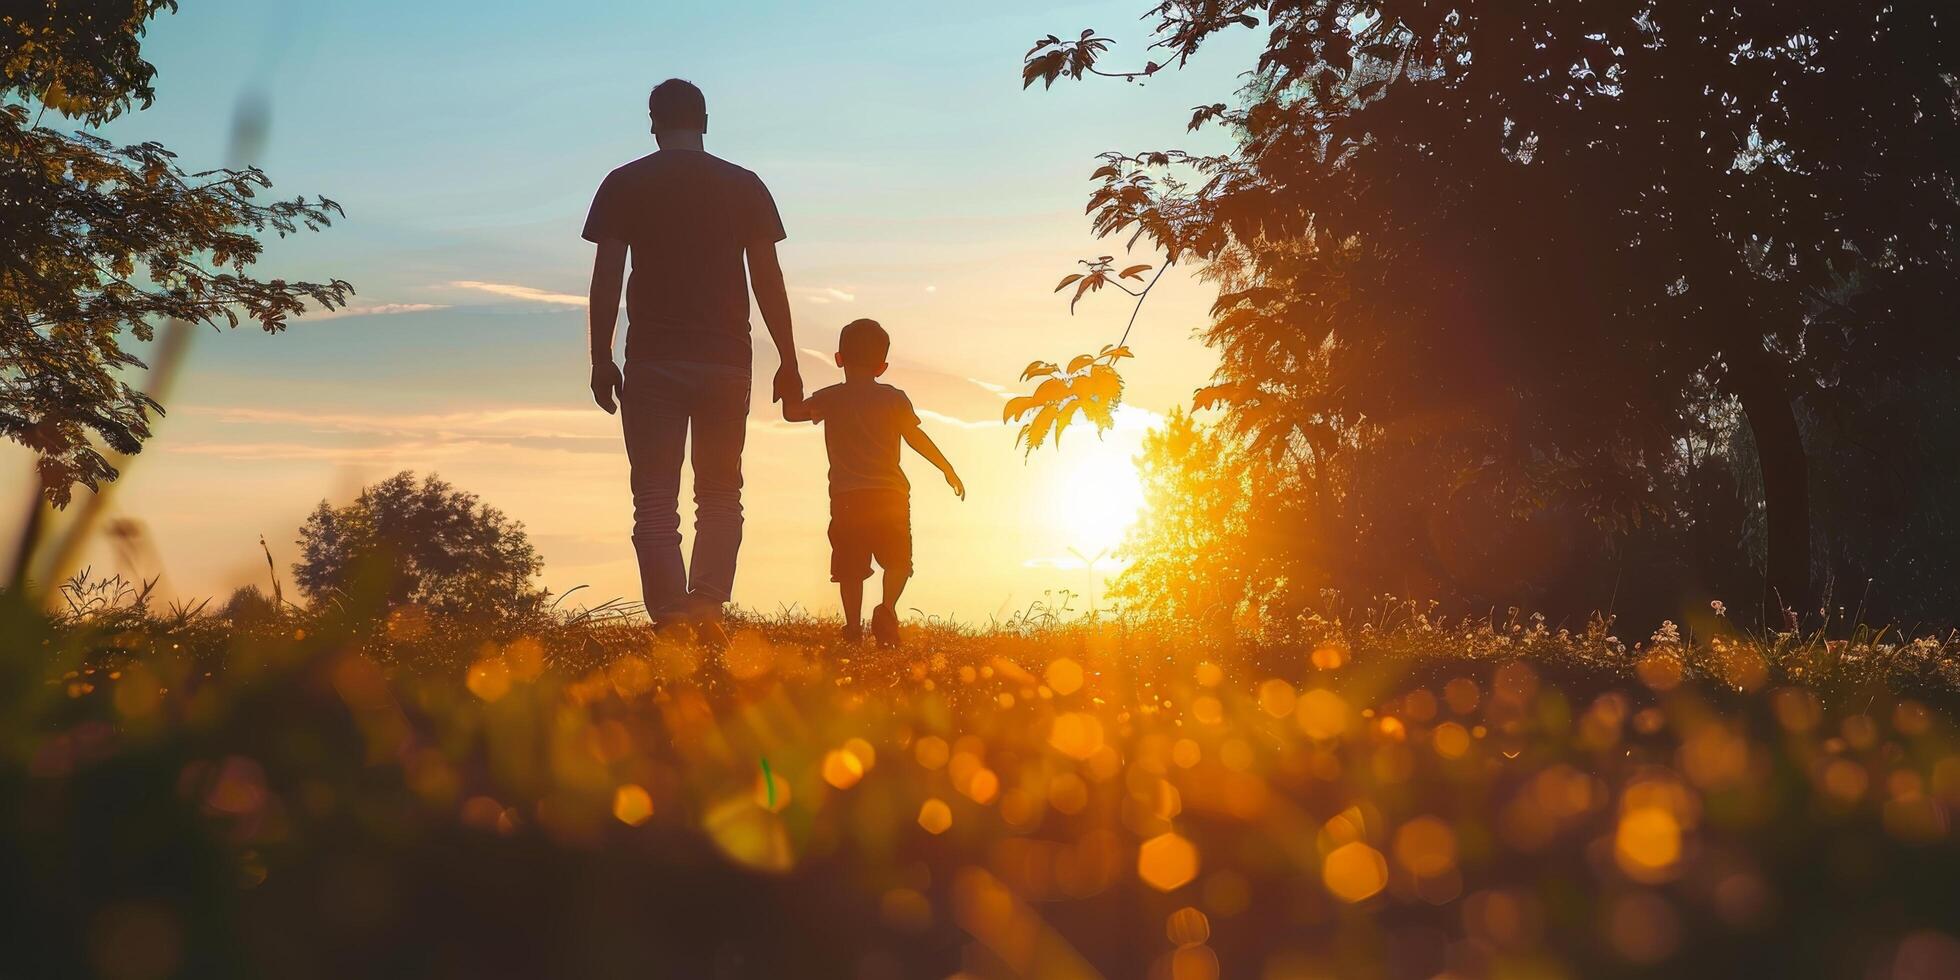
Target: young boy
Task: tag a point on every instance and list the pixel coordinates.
(870, 500)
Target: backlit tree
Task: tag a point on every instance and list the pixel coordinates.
(100, 244)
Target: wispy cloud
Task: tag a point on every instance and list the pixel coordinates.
(829, 294)
(927, 413)
(527, 293)
(300, 451)
(379, 309)
(503, 422)
(271, 433)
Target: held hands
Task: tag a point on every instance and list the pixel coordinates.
(789, 383)
(607, 385)
(953, 480)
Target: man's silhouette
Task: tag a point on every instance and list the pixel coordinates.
(688, 219)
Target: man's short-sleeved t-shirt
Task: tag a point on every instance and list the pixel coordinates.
(687, 217)
(863, 422)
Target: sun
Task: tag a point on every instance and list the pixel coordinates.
(1098, 495)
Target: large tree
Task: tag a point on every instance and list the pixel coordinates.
(1561, 220)
(429, 544)
(100, 244)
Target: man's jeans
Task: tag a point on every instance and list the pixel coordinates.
(661, 400)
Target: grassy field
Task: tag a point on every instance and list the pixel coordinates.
(1370, 794)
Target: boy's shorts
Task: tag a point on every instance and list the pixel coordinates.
(867, 524)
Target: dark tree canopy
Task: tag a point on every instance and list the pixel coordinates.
(1552, 240)
(81, 58)
(426, 543)
(101, 244)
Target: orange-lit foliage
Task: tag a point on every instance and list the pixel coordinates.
(1088, 387)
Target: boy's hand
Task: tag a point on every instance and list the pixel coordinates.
(953, 480)
(606, 385)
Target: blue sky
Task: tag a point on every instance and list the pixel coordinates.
(919, 184)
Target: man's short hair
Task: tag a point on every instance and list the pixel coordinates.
(864, 343)
(676, 104)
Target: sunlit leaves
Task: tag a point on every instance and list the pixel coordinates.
(83, 60)
(109, 242)
(1089, 387)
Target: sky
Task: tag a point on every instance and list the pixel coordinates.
(919, 184)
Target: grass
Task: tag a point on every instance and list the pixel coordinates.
(1379, 793)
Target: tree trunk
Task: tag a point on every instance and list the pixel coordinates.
(1786, 480)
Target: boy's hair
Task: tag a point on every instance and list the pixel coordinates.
(676, 104)
(863, 343)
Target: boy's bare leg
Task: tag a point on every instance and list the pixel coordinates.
(884, 619)
(853, 595)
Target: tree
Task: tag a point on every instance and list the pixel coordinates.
(1756, 200)
(1190, 544)
(100, 243)
(429, 544)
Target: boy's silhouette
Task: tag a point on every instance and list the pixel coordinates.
(870, 500)
(688, 220)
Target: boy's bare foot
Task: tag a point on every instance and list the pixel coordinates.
(884, 625)
(853, 633)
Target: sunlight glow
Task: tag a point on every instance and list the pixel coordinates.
(1097, 497)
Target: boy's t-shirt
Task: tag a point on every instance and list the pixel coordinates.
(863, 423)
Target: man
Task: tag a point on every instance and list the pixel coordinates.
(688, 220)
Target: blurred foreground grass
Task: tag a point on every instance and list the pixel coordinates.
(278, 793)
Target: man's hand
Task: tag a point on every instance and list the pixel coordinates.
(789, 382)
(953, 480)
(607, 385)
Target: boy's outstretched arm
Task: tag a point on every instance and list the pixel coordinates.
(923, 445)
(797, 408)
